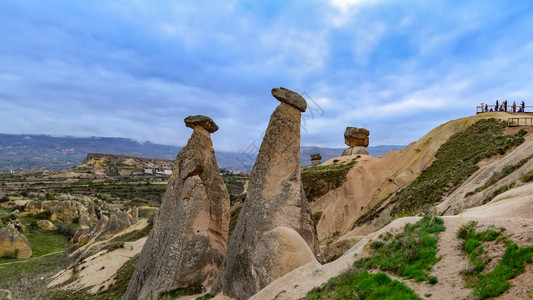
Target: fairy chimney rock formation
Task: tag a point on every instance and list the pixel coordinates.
(315, 159)
(274, 233)
(13, 244)
(187, 243)
(357, 140)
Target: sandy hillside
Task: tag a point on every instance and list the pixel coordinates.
(373, 179)
(512, 210)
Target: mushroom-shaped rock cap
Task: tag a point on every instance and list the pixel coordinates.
(316, 156)
(292, 98)
(206, 122)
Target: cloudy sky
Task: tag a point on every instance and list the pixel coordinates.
(137, 68)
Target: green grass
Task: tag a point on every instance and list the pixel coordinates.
(319, 180)
(527, 177)
(14, 274)
(495, 282)
(455, 161)
(45, 242)
(365, 286)
(497, 176)
(500, 190)
(410, 254)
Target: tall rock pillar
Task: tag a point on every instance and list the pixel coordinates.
(187, 243)
(274, 234)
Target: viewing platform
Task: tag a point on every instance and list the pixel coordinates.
(483, 108)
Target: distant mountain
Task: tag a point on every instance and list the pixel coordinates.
(29, 152)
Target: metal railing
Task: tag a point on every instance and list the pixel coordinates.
(514, 122)
(483, 108)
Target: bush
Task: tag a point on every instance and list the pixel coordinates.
(49, 197)
(67, 231)
(43, 215)
(527, 177)
(5, 198)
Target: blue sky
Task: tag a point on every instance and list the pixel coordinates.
(137, 68)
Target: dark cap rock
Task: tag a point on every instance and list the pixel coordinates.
(316, 156)
(289, 97)
(206, 122)
(354, 136)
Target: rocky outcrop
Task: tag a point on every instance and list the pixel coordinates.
(64, 211)
(357, 139)
(118, 221)
(315, 159)
(14, 244)
(81, 236)
(99, 226)
(275, 222)
(187, 243)
(355, 151)
(46, 225)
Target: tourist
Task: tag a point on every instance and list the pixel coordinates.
(514, 106)
(523, 106)
(497, 106)
(505, 105)
(486, 107)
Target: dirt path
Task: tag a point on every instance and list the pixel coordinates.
(9, 296)
(32, 258)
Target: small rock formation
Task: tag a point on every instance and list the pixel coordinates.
(274, 233)
(187, 243)
(13, 244)
(46, 225)
(357, 140)
(99, 226)
(315, 159)
(134, 212)
(64, 211)
(81, 236)
(118, 221)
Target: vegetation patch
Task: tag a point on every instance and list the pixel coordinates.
(497, 176)
(23, 276)
(319, 180)
(455, 161)
(527, 177)
(495, 282)
(500, 190)
(180, 292)
(45, 242)
(410, 254)
(362, 285)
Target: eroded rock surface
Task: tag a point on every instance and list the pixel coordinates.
(187, 243)
(354, 136)
(118, 221)
(14, 244)
(46, 225)
(275, 212)
(315, 159)
(354, 151)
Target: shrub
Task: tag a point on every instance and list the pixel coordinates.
(4, 198)
(527, 177)
(43, 215)
(495, 282)
(65, 230)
